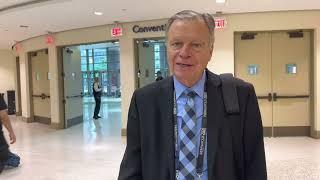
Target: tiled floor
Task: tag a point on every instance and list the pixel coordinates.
(93, 151)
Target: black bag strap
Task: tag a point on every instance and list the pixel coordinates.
(229, 93)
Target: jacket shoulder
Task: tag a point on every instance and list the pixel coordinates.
(239, 83)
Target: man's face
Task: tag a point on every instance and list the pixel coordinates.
(189, 50)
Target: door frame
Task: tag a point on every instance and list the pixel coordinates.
(62, 121)
(18, 95)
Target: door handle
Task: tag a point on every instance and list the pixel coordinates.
(75, 96)
(289, 96)
(275, 97)
(269, 97)
(42, 96)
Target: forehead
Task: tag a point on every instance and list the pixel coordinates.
(189, 28)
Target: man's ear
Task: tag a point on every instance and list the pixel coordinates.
(211, 53)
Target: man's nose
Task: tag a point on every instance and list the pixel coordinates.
(185, 52)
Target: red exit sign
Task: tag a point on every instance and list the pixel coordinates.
(220, 23)
(116, 32)
(49, 39)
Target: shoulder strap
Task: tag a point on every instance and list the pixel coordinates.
(229, 93)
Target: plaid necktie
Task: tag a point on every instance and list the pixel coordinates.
(187, 153)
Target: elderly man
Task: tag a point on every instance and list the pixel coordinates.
(178, 128)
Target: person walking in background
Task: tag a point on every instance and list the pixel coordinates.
(97, 97)
(159, 76)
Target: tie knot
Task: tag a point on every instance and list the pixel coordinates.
(190, 93)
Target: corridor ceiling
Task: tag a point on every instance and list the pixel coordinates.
(23, 19)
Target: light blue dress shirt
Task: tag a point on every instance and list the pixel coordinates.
(181, 101)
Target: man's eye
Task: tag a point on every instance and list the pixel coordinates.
(196, 45)
(176, 44)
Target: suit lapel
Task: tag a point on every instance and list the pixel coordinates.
(215, 115)
(166, 98)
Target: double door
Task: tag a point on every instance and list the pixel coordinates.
(278, 65)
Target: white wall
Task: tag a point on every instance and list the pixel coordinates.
(223, 58)
(7, 72)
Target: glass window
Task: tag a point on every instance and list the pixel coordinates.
(160, 59)
(83, 67)
(291, 68)
(85, 86)
(100, 52)
(253, 69)
(100, 66)
(83, 52)
(100, 59)
(104, 61)
(90, 60)
(90, 67)
(90, 52)
(83, 60)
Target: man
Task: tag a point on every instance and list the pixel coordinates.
(165, 119)
(159, 76)
(97, 97)
(4, 147)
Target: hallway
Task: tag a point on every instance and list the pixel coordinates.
(91, 150)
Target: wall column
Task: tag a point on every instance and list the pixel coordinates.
(25, 91)
(56, 121)
(127, 77)
(316, 133)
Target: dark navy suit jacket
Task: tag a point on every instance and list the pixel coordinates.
(235, 145)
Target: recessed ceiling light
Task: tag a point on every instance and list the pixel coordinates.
(98, 13)
(221, 1)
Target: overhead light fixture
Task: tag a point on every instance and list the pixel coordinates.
(220, 1)
(98, 13)
(24, 26)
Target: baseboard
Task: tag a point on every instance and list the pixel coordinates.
(19, 113)
(291, 131)
(315, 134)
(26, 119)
(43, 120)
(267, 131)
(56, 125)
(123, 132)
(74, 121)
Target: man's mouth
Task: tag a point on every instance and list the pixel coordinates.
(184, 65)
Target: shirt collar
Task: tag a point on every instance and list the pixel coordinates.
(198, 87)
